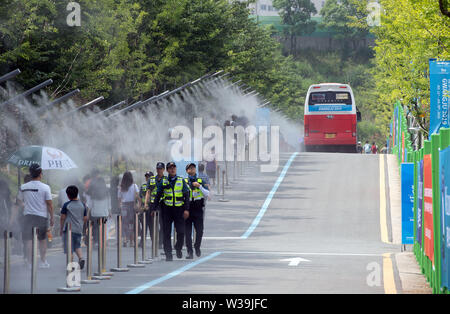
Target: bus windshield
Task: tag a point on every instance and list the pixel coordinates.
(341, 98)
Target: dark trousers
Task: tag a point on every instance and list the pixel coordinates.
(173, 214)
(196, 219)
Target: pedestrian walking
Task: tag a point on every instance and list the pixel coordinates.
(97, 201)
(367, 148)
(199, 192)
(359, 148)
(211, 166)
(75, 213)
(175, 208)
(152, 184)
(36, 198)
(128, 195)
(143, 208)
(374, 148)
(202, 175)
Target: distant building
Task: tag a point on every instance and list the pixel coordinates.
(266, 8)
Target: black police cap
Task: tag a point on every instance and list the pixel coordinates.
(160, 165)
(148, 174)
(191, 164)
(170, 164)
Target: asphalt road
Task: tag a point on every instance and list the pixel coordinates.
(312, 228)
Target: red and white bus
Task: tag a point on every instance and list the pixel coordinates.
(330, 118)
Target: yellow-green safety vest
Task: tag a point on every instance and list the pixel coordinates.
(195, 194)
(152, 185)
(173, 197)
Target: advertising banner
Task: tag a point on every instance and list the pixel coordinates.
(439, 95)
(444, 177)
(428, 208)
(407, 173)
(419, 203)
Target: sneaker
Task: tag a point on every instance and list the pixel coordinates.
(44, 264)
(198, 252)
(81, 262)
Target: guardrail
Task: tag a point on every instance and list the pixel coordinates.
(431, 192)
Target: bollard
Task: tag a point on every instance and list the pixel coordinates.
(119, 267)
(155, 241)
(104, 248)
(223, 199)
(89, 279)
(98, 274)
(68, 287)
(144, 259)
(33, 260)
(157, 213)
(218, 181)
(227, 183)
(6, 265)
(136, 235)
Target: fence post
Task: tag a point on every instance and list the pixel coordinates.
(89, 279)
(435, 143)
(144, 259)
(68, 287)
(119, 267)
(444, 143)
(33, 259)
(99, 275)
(136, 235)
(223, 199)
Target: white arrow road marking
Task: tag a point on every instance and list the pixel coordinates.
(294, 261)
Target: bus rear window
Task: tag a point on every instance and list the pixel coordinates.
(330, 98)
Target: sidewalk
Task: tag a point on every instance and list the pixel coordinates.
(412, 279)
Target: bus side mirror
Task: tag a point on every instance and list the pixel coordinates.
(358, 116)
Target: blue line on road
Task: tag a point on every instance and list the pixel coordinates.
(172, 274)
(269, 198)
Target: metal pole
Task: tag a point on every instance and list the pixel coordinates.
(33, 260)
(223, 188)
(89, 279)
(119, 267)
(218, 181)
(99, 275)
(157, 213)
(144, 259)
(9, 75)
(234, 170)
(28, 92)
(154, 239)
(104, 247)
(6, 265)
(69, 288)
(136, 234)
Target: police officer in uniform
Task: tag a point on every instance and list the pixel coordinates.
(152, 182)
(175, 208)
(145, 211)
(199, 192)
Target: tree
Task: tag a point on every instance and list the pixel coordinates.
(444, 7)
(338, 17)
(296, 15)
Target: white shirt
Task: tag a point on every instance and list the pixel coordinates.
(129, 195)
(34, 195)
